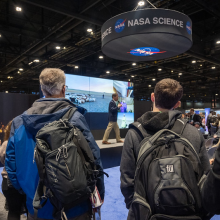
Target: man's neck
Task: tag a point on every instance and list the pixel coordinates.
(155, 109)
(54, 96)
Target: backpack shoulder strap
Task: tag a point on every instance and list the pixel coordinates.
(69, 113)
(139, 128)
(179, 126)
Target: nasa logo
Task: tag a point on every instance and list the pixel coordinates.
(145, 51)
(188, 27)
(120, 25)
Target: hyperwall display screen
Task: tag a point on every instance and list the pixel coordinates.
(94, 94)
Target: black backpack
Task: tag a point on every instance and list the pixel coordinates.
(66, 166)
(168, 176)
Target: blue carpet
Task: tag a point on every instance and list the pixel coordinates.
(114, 206)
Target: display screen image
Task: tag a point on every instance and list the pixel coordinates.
(94, 94)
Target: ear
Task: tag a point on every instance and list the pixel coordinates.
(177, 105)
(152, 97)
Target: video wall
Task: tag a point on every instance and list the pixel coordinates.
(94, 94)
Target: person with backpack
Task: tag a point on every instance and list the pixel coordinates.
(164, 161)
(52, 156)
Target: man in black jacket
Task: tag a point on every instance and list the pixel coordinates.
(194, 117)
(113, 108)
(166, 97)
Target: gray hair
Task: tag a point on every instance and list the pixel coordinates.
(52, 81)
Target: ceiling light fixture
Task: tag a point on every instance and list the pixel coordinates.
(171, 71)
(159, 69)
(216, 94)
(108, 72)
(200, 64)
(64, 48)
(213, 67)
(58, 47)
(194, 61)
(218, 42)
(100, 57)
(30, 63)
(18, 9)
(132, 76)
(6, 91)
(21, 69)
(76, 67)
(129, 80)
(89, 30)
(36, 61)
(0, 35)
(18, 72)
(149, 85)
(180, 74)
(134, 64)
(141, 3)
(153, 79)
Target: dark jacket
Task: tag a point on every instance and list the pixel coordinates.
(211, 187)
(19, 164)
(112, 111)
(197, 118)
(153, 122)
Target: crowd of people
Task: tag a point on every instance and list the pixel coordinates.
(53, 170)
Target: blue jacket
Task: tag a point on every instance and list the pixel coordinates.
(19, 163)
(112, 111)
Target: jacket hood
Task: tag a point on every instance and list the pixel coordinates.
(46, 110)
(155, 121)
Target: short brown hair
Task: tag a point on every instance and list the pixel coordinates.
(167, 93)
(192, 109)
(114, 95)
(7, 131)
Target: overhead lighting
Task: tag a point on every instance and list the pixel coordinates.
(149, 85)
(180, 74)
(76, 67)
(132, 76)
(141, 3)
(18, 9)
(189, 95)
(10, 77)
(108, 72)
(100, 57)
(58, 47)
(159, 69)
(134, 64)
(21, 69)
(153, 79)
(36, 61)
(6, 91)
(0, 35)
(18, 71)
(213, 67)
(129, 80)
(194, 61)
(218, 42)
(89, 30)
(1, 81)
(171, 71)
(216, 94)
(30, 63)
(200, 64)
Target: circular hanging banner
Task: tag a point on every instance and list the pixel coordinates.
(146, 35)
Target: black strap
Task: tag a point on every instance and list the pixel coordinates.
(139, 128)
(69, 113)
(179, 126)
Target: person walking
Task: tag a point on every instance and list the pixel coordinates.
(113, 109)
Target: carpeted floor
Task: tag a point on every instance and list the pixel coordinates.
(113, 207)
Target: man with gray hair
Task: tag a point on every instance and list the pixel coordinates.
(22, 171)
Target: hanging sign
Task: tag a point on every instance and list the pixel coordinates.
(146, 35)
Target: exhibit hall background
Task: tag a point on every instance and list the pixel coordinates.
(12, 105)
